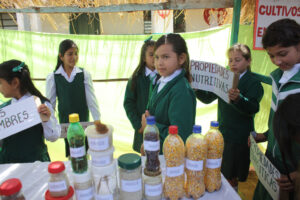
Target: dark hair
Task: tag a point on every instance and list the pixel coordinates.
(63, 47)
(286, 127)
(244, 49)
(23, 74)
(284, 32)
(141, 66)
(179, 47)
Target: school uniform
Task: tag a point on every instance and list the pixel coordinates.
(236, 121)
(135, 102)
(75, 94)
(283, 84)
(173, 102)
(28, 145)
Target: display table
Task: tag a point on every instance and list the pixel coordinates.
(34, 178)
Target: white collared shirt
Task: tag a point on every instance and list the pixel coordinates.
(164, 80)
(149, 72)
(51, 128)
(242, 74)
(91, 99)
(287, 75)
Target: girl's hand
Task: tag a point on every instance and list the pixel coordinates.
(143, 121)
(101, 128)
(234, 94)
(45, 112)
(285, 184)
(260, 137)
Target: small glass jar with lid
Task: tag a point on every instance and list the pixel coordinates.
(83, 185)
(99, 141)
(153, 187)
(130, 174)
(58, 182)
(11, 189)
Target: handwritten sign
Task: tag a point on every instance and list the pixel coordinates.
(264, 169)
(269, 11)
(212, 77)
(18, 117)
(64, 127)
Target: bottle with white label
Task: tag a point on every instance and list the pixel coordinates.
(76, 139)
(196, 152)
(153, 187)
(151, 146)
(215, 147)
(174, 153)
(130, 174)
(58, 183)
(83, 185)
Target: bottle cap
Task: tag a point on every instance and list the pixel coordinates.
(129, 161)
(74, 117)
(67, 197)
(56, 167)
(173, 129)
(10, 187)
(214, 124)
(196, 129)
(150, 120)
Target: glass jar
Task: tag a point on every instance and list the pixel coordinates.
(11, 189)
(153, 187)
(58, 182)
(105, 182)
(130, 174)
(83, 185)
(69, 196)
(99, 141)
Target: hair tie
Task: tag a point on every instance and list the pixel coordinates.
(148, 39)
(18, 68)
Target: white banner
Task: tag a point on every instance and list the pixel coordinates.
(18, 117)
(264, 169)
(64, 128)
(212, 77)
(269, 11)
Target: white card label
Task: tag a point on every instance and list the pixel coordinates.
(153, 190)
(101, 161)
(213, 163)
(57, 186)
(77, 152)
(98, 144)
(104, 197)
(86, 194)
(131, 185)
(194, 165)
(175, 171)
(151, 146)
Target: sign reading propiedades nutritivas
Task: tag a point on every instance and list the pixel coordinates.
(18, 116)
(265, 170)
(212, 77)
(269, 11)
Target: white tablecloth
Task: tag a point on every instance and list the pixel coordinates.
(34, 178)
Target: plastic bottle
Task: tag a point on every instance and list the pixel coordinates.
(151, 147)
(76, 139)
(196, 152)
(11, 189)
(174, 153)
(215, 144)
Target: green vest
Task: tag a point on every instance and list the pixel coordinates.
(25, 146)
(71, 97)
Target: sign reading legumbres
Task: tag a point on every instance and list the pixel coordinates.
(269, 11)
(264, 169)
(18, 116)
(212, 77)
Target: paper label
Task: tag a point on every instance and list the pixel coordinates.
(151, 146)
(86, 194)
(153, 190)
(175, 171)
(131, 185)
(104, 197)
(213, 163)
(98, 144)
(57, 186)
(101, 161)
(194, 165)
(77, 152)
